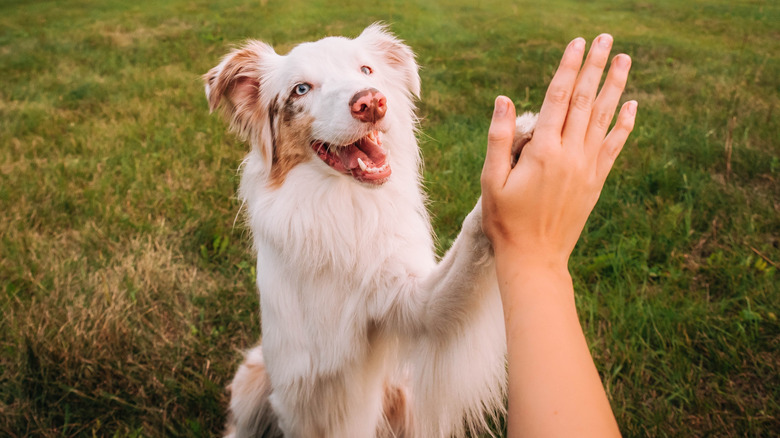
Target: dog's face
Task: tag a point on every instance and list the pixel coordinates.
(328, 103)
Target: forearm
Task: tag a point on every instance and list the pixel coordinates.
(554, 388)
(534, 213)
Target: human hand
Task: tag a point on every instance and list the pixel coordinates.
(537, 209)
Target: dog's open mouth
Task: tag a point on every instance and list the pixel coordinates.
(365, 159)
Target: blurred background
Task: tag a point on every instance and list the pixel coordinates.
(126, 277)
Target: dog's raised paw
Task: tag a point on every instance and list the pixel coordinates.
(524, 130)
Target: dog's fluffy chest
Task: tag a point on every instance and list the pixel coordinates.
(332, 224)
(329, 256)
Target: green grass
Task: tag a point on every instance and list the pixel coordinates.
(126, 287)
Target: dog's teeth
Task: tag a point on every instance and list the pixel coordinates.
(362, 165)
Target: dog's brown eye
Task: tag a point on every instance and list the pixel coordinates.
(302, 89)
(366, 70)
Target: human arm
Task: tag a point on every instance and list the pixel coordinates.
(533, 215)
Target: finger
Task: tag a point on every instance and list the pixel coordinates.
(607, 101)
(585, 90)
(616, 138)
(499, 147)
(556, 102)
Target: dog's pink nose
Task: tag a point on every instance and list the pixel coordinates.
(369, 105)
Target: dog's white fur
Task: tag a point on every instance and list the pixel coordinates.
(364, 333)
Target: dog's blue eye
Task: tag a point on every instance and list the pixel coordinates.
(366, 70)
(302, 89)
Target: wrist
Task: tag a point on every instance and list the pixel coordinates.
(523, 275)
(521, 259)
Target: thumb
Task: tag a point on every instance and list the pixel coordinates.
(498, 161)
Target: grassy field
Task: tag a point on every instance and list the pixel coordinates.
(126, 282)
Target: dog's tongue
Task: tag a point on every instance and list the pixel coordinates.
(365, 149)
(371, 154)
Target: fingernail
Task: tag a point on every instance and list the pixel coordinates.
(623, 60)
(605, 40)
(631, 107)
(578, 43)
(500, 107)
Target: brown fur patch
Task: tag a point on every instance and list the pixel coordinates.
(291, 136)
(238, 78)
(291, 110)
(395, 410)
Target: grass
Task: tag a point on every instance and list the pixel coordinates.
(126, 287)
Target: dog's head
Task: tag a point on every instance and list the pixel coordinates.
(332, 102)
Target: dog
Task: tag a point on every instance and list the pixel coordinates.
(364, 333)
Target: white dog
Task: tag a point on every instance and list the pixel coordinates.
(364, 333)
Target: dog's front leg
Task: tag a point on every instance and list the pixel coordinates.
(455, 315)
(443, 298)
(467, 270)
(454, 332)
(460, 280)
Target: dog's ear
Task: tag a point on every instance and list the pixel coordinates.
(397, 54)
(236, 83)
